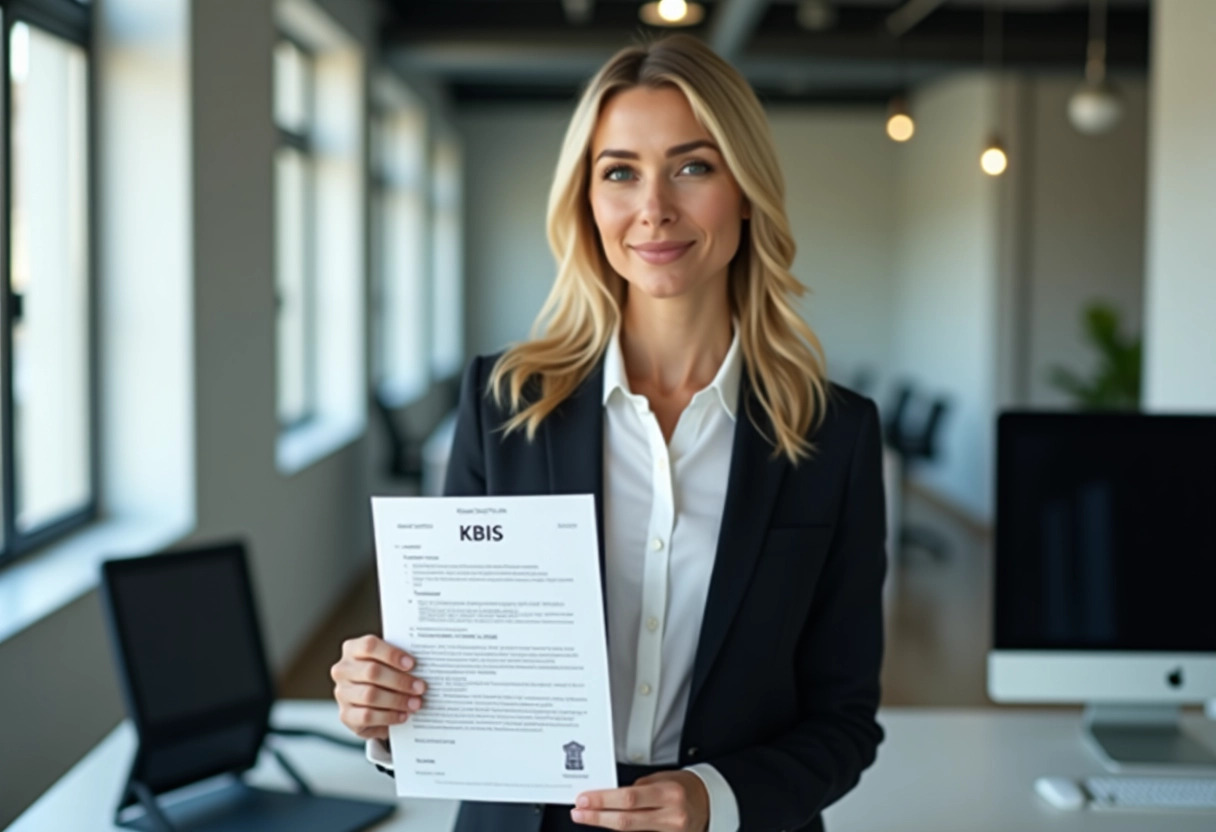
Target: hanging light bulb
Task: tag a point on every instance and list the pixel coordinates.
(900, 126)
(993, 160)
(671, 13)
(1095, 107)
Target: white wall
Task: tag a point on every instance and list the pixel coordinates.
(509, 157)
(945, 303)
(838, 169)
(1180, 335)
(1085, 234)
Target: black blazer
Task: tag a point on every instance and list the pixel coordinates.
(785, 679)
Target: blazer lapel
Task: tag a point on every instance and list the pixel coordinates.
(751, 492)
(574, 444)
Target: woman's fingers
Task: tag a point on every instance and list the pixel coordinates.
(668, 801)
(370, 696)
(377, 649)
(629, 797)
(373, 688)
(369, 723)
(383, 676)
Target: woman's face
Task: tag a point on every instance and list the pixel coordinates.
(668, 212)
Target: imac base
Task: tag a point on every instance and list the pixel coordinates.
(1126, 737)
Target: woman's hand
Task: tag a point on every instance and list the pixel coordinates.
(373, 688)
(669, 801)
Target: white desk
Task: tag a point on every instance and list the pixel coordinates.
(938, 771)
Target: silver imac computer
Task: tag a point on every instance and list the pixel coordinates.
(1105, 576)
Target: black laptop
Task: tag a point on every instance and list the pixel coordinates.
(199, 691)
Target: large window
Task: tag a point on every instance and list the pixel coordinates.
(417, 276)
(400, 245)
(447, 259)
(48, 400)
(295, 175)
(321, 197)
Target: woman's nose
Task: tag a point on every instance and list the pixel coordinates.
(658, 207)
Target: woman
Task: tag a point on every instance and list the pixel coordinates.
(739, 494)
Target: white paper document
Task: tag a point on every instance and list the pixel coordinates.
(499, 600)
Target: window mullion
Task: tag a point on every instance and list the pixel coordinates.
(7, 437)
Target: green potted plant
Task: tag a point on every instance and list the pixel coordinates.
(1115, 383)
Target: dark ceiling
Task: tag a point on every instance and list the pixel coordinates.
(514, 50)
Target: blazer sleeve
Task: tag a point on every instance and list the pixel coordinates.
(466, 471)
(784, 783)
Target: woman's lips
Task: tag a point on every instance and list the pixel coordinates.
(659, 253)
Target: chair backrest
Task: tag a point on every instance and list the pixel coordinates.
(922, 444)
(914, 438)
(397, 460)
(893, 427)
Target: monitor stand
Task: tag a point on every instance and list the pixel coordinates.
(1133, 736)
(235, 806)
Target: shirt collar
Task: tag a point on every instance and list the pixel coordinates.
(725, 384)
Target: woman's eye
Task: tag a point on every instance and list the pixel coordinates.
(695, 168)
(618, 174)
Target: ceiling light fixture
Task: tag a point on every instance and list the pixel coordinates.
(900, 126)
(1095, 107)
(994, 161)
(672, 13)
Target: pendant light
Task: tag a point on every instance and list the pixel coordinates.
(1095, 107)
(994, 160)
(900, 125)
(672, 13)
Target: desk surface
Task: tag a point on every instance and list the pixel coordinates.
(939, 770)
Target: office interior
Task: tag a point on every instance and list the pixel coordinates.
(271, 233)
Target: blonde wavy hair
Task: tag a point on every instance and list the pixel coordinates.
(782, 355)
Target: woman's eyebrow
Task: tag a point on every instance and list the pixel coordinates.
(675, 150)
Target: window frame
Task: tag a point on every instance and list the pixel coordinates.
(304, 144)
(72, 21)
(383, 184)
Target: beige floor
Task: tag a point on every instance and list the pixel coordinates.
(938, 625)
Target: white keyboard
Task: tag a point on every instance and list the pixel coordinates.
(1188, 793)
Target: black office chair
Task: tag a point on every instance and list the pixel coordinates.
(404, 457)
(408, 428)
(891, 426)
(916, 444)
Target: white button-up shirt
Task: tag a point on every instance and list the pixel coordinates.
(662, 511)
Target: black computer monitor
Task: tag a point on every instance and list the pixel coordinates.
(192, 662)
(198, 689)
(1105, 566)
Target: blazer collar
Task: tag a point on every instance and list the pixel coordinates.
(574, 439)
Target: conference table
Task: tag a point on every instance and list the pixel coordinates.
(939, 770)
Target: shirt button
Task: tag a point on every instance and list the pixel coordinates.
(692, 751)
(652, 623)
(656, 544)
(637, 758)
(644, 689)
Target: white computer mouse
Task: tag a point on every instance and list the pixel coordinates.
(1060, 792)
